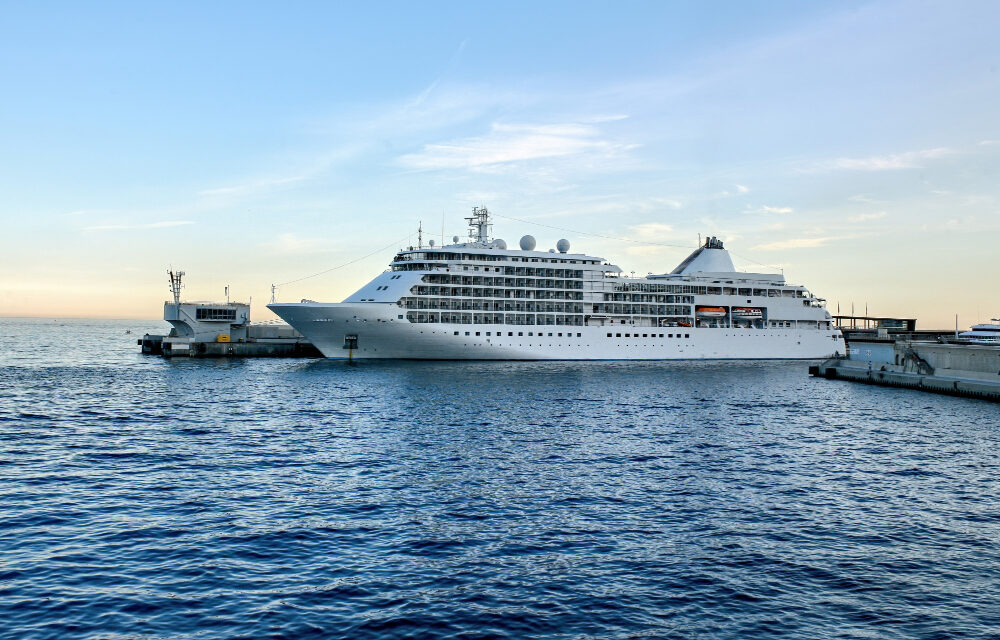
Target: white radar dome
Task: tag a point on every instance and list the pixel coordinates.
(454, 239)
(431, 243)
(499, 244)
(563, 245)
(528, 243)
(552, 250)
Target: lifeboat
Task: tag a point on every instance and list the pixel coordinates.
(747, 312)
(710, 312)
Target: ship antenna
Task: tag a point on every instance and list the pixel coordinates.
(479, 225)
(274, 294)
(420, 234)
(175, 284)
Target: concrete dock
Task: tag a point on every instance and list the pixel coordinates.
(220, 330)
(969, 370)
(262, 341)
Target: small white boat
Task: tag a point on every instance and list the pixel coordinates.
(987, 333)
(748, 313)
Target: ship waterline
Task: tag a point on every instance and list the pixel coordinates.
(478, 300)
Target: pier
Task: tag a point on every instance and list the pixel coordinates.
(968, 370)
(221, 329)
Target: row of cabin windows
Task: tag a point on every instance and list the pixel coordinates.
(508, 283)
(442, 255)
(706, 290)
(431, 266)
(474, 292)
(510, 334)
(446, 317)
(487, 305)
(458, 278)
(642, 309)
(531, 334)
(645, 297)
(649, 335)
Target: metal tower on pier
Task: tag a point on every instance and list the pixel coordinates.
(175, 284)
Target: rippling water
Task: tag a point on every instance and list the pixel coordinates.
(151, 498)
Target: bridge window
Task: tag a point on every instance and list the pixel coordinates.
(202, 313)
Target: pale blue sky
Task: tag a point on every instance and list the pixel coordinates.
(856, 145)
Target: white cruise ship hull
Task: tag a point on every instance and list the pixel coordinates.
(382, 332)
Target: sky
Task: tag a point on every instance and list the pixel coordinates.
(854, 146)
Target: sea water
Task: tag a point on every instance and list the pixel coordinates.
(150, 498)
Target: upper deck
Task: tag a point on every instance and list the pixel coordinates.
(482, 281)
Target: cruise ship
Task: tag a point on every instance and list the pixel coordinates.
(479, 300)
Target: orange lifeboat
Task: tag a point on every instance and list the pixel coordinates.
(710, 312)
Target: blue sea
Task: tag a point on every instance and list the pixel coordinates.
(151, 498)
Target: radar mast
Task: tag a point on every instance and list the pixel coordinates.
(479, 225)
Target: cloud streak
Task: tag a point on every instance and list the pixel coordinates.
(513, 143)
(907, 160)
(794, 243)
(164, 224)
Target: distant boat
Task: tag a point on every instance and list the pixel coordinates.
(987, 333)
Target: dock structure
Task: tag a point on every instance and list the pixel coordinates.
(867, 327)
(221, 329)
(969, 370)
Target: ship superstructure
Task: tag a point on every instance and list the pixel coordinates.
(480, 300)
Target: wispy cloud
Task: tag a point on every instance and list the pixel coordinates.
(740, 188)
(151, 225)
(511, 143)
(86, 212)
(423, 95)
(256, 186)
(907, 160)
(648, 250)
(866, 217)
(794, 243)
(291, 243)
(768, 209)
(652, 230)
